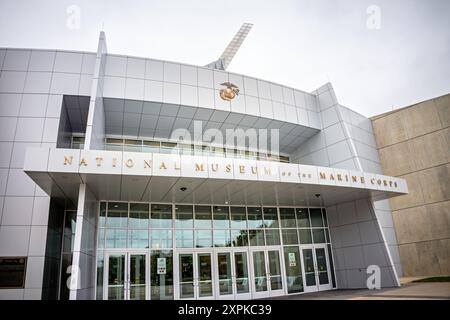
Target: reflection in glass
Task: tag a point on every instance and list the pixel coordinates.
(238, 218)
(239, 238)
(324, 216)
(289, 236)
(293, 267)
(184, 216)
(139, 216)
(161, 216)
(116, 238)
(256, 237)
(203, 217)
(310, 275)
(224, 269)
(287, 216)
(259, 268)
(330, 256)
(302, 217)
(137, 277)
(203, 238)
(316, 217)
(241, 268)
(117, 215)
(275, 270)
(255, 219)
(102, 217)
(161, 238)
(186, 274)
(116, 277)
(184, 238)
(305, 236)
(221, 217)
(272, 237)
(161, 279)
(204, 275)
(222, 238)
(322, 266)
(318, 235)
(271, 218)
(138, 238)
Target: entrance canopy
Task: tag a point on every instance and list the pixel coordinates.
(155, 177)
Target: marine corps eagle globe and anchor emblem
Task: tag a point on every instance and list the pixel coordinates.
(229, 92)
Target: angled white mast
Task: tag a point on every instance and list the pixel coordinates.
(230, 51)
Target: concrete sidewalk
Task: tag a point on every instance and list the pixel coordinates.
(416, 291)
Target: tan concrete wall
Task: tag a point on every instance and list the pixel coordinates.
(414, 143)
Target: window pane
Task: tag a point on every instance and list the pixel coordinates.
(287, 216)
(101, 238)
(305, 236)
(271, 218)
(289, 236)
(293, 267)
(324, 216)
(316, 217)
(254, 217)
(222, 238)
(116, 238)
(302, 217)
(132, 145)
(272, 237)
(203, 238)
(161, 238)
(256, 237)
(161, 216)
(117, 215)
(203, 217)
(239, 238)
(184, 238)
(318, 235)
(139, 215)
(138, 238)
(238, 218)
(102, 218)
(221, 217)
(184, 216)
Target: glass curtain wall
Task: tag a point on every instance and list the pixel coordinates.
(162, 228)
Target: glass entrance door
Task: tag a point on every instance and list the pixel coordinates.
(317, 269)
(125, 276)
(195, 275)
(232, 275)
(267, 275)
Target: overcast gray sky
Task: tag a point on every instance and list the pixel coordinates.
(302, 44)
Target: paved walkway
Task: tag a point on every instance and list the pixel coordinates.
(436, 290)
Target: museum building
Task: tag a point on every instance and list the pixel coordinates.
(99, 199)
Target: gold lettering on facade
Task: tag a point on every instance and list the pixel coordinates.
(331, 177)
(254, 170)
(147, 164)
(322, 175)
(385, 183)
(339, 177)
(267, 171)
(68, 160)
(214, 167)
(114, 162)
(228, 168)
(241, 169)
(99, 161)
(354, 178)
(199, 167)
(372, 181)
(162, 166)
(379, 182)
(362, 180)
(83, 162)
(177, 166)
(129, 163)
(395, 184)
